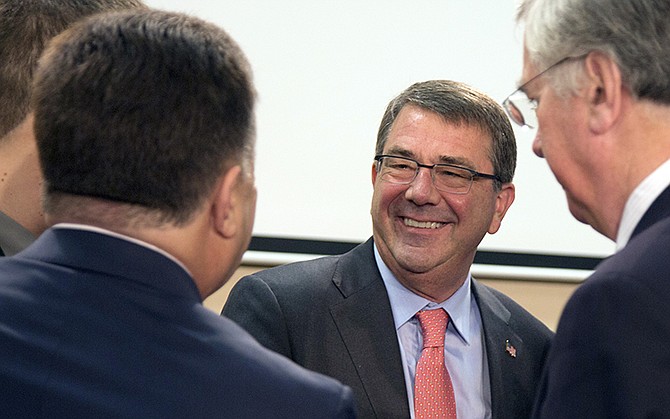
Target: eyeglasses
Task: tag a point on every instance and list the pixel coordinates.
(446, 177)
(521, 108)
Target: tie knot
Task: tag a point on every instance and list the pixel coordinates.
(433, 326)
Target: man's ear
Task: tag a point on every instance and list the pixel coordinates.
(604, 91)
(504, 200)
(225, 203)
(374, 173)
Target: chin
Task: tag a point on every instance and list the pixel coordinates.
(414, 261)
(578, 211)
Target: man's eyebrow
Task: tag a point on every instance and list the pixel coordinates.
(458, 161)
(397, 151)
(444, 159)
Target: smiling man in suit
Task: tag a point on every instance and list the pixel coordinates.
(442, 178)
(144, 123)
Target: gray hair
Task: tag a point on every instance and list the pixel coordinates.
(634, 33)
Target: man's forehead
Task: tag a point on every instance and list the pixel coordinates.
(529, 69)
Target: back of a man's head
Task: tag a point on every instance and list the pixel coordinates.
(145, 108)
(25, 28)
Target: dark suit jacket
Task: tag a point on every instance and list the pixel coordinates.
(94, 326)
(611, 357)
(333, 315)
(13, 236)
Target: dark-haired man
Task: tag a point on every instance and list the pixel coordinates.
(144, 123)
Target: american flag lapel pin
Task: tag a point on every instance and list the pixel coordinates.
(510, 349)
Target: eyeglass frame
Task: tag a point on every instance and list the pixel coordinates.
(510, 107)
(473, 173)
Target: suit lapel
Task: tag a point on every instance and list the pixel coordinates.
(502, 346)
(365, 323)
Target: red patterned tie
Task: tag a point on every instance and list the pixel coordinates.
(433, 392)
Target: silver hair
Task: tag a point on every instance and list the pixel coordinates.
(634, 33)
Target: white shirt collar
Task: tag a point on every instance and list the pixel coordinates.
(639, 202)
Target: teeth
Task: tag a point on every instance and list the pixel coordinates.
(422, 224)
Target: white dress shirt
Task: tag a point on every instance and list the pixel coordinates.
(639, 202)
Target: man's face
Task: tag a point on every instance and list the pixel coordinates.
(561, 141)
(419, 229)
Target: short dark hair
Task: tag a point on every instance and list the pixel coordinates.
(146, 108)
(25, 28)
(459, 103)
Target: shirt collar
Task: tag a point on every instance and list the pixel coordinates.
(405, 304)
(640, 200)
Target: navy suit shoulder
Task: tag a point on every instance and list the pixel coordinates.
(610, 356)
(95, 326)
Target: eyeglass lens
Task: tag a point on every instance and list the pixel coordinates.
(445, 178)
(521, 109)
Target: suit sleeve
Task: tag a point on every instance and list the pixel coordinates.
(253, 305)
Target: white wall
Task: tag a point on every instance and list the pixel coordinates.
(326, 69)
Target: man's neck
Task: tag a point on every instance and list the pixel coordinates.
(20, 188)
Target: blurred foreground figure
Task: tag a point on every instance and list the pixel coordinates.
(145, 131)
(25, 28)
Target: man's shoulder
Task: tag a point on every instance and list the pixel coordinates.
(646, 251)
(222, 361)
(298, 282)
(635, 278)
(317, 267)
(239, 358)
(642, 266)
(320, 270)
